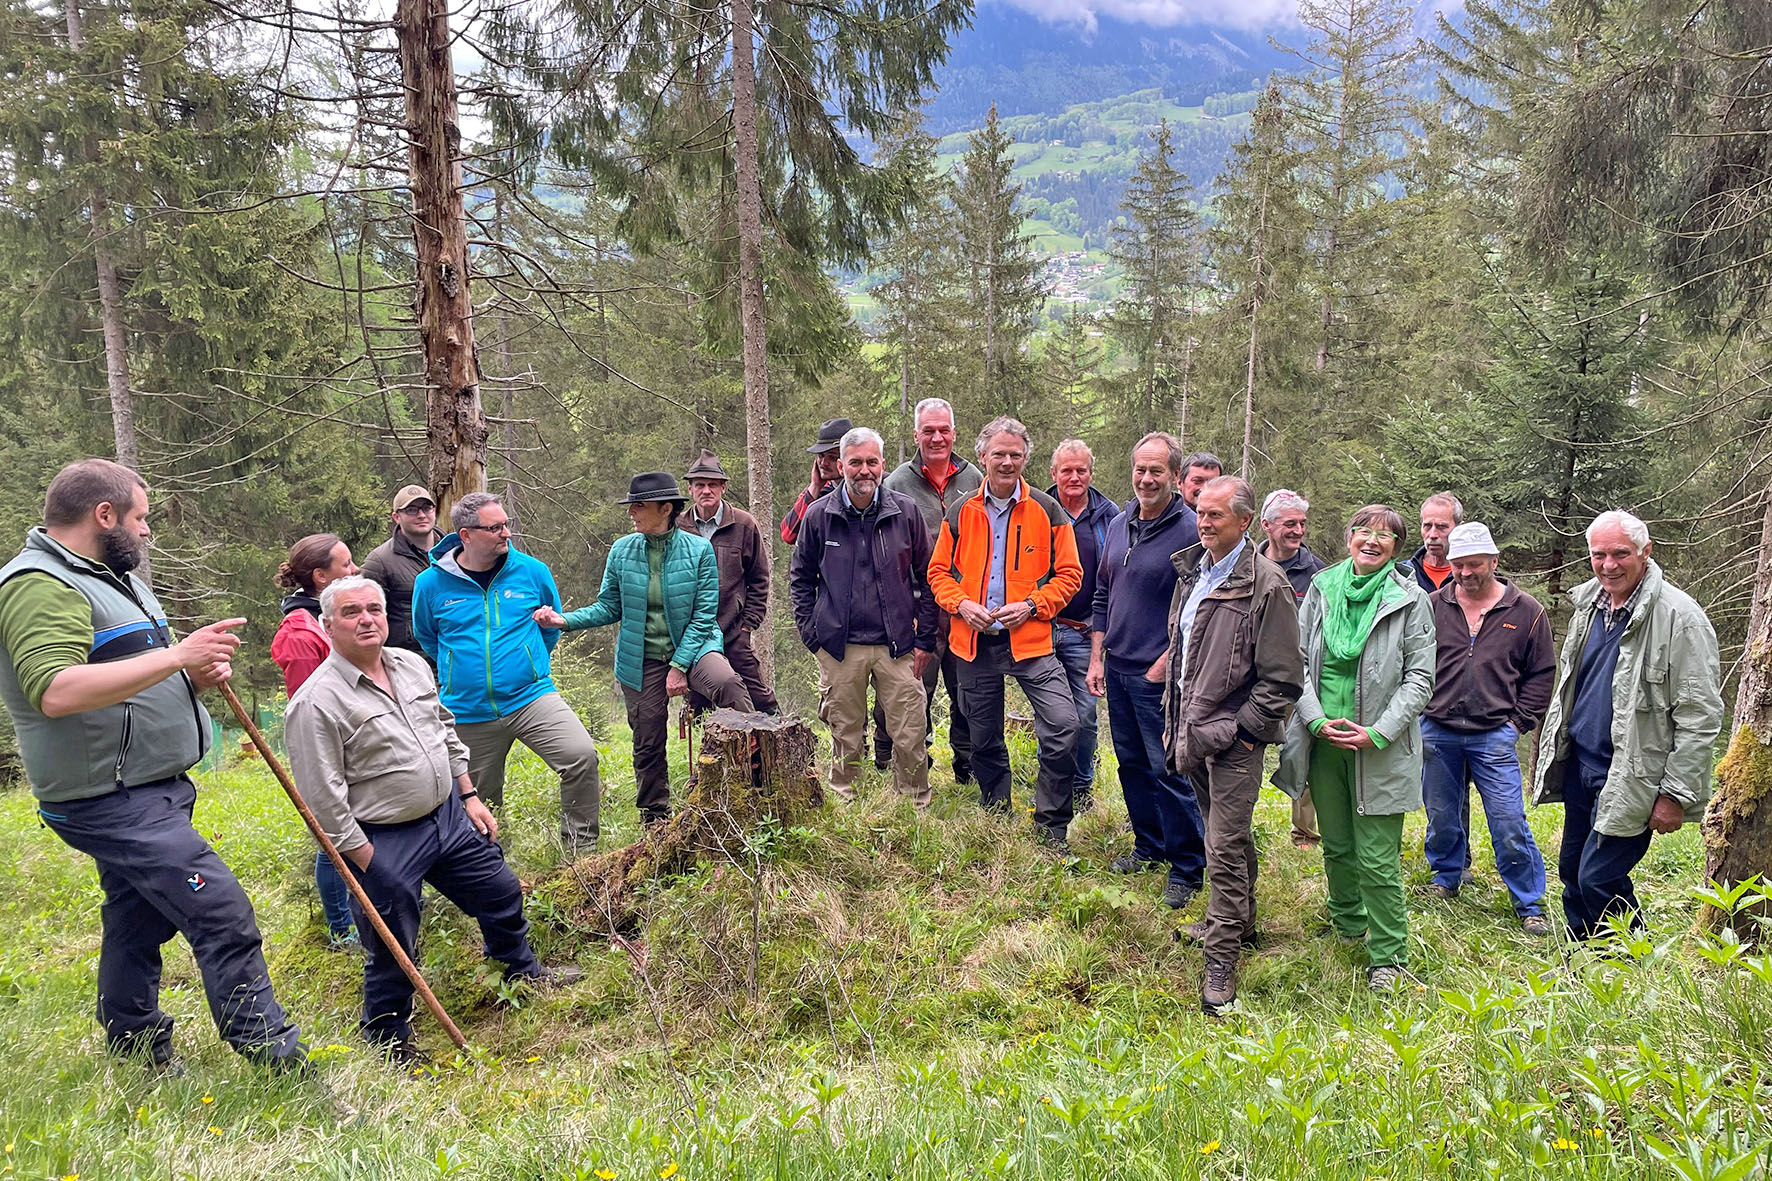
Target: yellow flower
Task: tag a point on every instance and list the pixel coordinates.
(209, 1098)
(669, 1171)
(605, 1175)
(1564, 1144)
(533, 1058)
(1597, 1133)
(214, 1131)
(9, 1146)
(1209, 1147)
(72, 1177)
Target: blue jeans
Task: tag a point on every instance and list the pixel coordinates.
(1166, 823)
(1072, 649)
(335, 896)
(1489, 760)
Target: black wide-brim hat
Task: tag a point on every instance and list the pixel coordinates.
(830, 436)
(651, 486)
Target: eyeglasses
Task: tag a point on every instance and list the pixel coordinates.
(501, 527)
(417, 507)
(1364, 534)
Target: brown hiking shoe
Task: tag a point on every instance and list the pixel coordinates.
(1220, 988)
(1195, 933)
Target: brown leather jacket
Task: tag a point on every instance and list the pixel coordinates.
(1244, 666)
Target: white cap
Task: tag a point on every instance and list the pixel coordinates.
(1469, 540)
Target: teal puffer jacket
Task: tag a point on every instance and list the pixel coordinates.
(690, 575)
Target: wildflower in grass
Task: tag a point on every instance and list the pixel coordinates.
(214, 1131)
(533, 1058)
(605, 1175)
(1564, 1144)
(669, 1171)
(209, 1098)
(1208, 1148)
(9, 1146)
(1597, 1133)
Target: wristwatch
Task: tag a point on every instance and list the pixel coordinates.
(1033, 611)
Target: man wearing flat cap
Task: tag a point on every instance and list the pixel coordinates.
(661, 584)
(396, 563)
(827, 469)
(744, 571)
(1495, 669)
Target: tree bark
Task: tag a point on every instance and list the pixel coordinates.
(1737, 829)
(456, 423)
(760, 470)
(110, 295)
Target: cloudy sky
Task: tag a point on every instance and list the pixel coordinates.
(1240, 14)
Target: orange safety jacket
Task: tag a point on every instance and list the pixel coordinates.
(1042, 565)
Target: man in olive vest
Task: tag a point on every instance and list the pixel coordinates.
(109, 724)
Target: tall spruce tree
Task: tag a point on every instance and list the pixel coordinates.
(1004, 278)
(1159, 259)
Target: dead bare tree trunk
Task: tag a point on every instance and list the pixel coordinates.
(1254, 315)
(110, 296)
(456, 423)
(750, 290)
(1737, 827)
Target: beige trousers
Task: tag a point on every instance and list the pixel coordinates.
(843, 704)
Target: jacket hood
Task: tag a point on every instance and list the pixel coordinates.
(301, 601)
(448, 545)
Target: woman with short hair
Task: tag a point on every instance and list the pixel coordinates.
(299, 647)
(1369, 652)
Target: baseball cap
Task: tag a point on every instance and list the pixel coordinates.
(1470, 540)
(411, 493)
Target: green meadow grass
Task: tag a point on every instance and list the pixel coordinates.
(925, 998)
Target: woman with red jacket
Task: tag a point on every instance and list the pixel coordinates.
(300, 647)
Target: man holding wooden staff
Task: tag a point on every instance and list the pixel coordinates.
(377, 758)
(109, 724)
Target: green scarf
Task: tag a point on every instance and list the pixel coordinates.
(1350, 604)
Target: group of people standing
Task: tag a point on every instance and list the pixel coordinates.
(1386, 683)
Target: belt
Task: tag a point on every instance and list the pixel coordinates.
(1073, 624)
(996, 637)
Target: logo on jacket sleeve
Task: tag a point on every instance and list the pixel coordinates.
(196, 882)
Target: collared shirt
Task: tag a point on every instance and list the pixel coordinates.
(707, 526)
(997, 511)
(362, 754)
(1212, 576)
(940, 482)
(1607, 616)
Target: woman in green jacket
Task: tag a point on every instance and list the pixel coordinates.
(1355, 737)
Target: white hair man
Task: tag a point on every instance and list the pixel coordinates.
(379, 762)
(863, 608)
(1626, 746)
(1285, 516)
(1073, 486)
(935, 479)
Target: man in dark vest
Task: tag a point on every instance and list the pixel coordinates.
(109, 724)
(396, 563)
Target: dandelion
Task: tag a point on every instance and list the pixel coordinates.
(1597, 1133)
(209, 1098)
(1564, 1144)
(605, 1175)
(214, 1131)
(10, 1144)
(669, 1171)
(1208, 1148)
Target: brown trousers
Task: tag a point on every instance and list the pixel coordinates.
(649, 715)
(1227, 791)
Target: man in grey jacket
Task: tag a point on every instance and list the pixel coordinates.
(1626, 747)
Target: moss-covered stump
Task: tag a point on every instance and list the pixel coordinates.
(1737, 826)
(751, 766)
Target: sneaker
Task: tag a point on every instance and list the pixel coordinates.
(551, 978)
(1443, 893)
(1536, 925)
(1384, 978)
(346, 942)
(169, 1067)
(1177, 894)
(649, 821)
(1053, 840)
(1220, 989)
(1132, 863)
(1303, 842)
(1194, 933)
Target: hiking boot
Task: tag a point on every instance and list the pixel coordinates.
(1177, 894)
(551, 978)
(1053, 840)
(1082, 802)
(347, 942)
(1195, 934)
(1536, 925)
(1220, 989)
(1132, 863)
(405, 1055)
(651, 821)
(171, 1066)
(1443, 893)
(1384, 978)
(962, 773)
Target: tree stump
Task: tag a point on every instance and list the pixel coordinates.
(751, 766)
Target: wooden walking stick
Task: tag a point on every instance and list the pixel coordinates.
(344, 870)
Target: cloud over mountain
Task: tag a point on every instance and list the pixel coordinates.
(1237, 14)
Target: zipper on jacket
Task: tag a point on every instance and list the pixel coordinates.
(123, 745)
(1017, 566)
(486, 641)
(190, 688)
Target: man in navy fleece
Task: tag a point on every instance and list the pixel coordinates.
(1131, 636)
